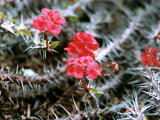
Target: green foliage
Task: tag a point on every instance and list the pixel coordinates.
(11, 20)
(98, 94)
(65, 3)
(24, 32)
(2, 15)
(73, 18)
(54, 44)
(101, 118)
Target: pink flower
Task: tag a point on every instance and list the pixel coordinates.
(93, 70)
(54, 16)
(51, 22)
(53, 28)
(39, 23)
(46, 11)
(78, 71)
(70, 61)
(85, 61)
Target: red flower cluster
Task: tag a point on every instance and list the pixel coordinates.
(83, 45)
(152, 58)
(78, 67)
(72, 1)
(82, 48)
(51, 22)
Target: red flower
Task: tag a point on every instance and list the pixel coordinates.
(71, 49)
(70, 70)
(85, 61)
(53, 28)
(93, 70)
(85, 52)
(150, 59)
(82, 48)
(72, 1)
(39, 23)
(53, 16)
(78, 71)
(70, 61)
(51, 22)
(84, 45)
(92, 45)
(85, 39)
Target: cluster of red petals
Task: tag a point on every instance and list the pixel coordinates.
(72, 1)
(51, 21)
(149, 57)
(78, 67)
(83, 64)
(83, 45)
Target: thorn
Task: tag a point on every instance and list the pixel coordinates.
(54, 113)
(75, 104)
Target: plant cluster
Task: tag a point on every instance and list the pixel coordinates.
(111, 70)
(82, 48)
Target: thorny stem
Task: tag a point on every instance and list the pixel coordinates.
(48, 48)
(84, 85)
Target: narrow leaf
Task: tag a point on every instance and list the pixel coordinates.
(25, 32)
(73, 18)
(2, 16)
(10, 18)
(54, 44)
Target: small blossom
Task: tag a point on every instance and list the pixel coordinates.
(78, 71)
(70, 70)
(150, 59)
(72, 1)
(84, 45)
(53, 28)
(70, 61)
(93, 70)
(39, 23)
(115, 66)
(71, 49)
(85, 61)
(51, 21)
(92, 45)
(82, 49)
(85, 52)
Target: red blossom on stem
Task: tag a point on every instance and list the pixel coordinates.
(82, 64)
(150, 59)
(50, 23)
